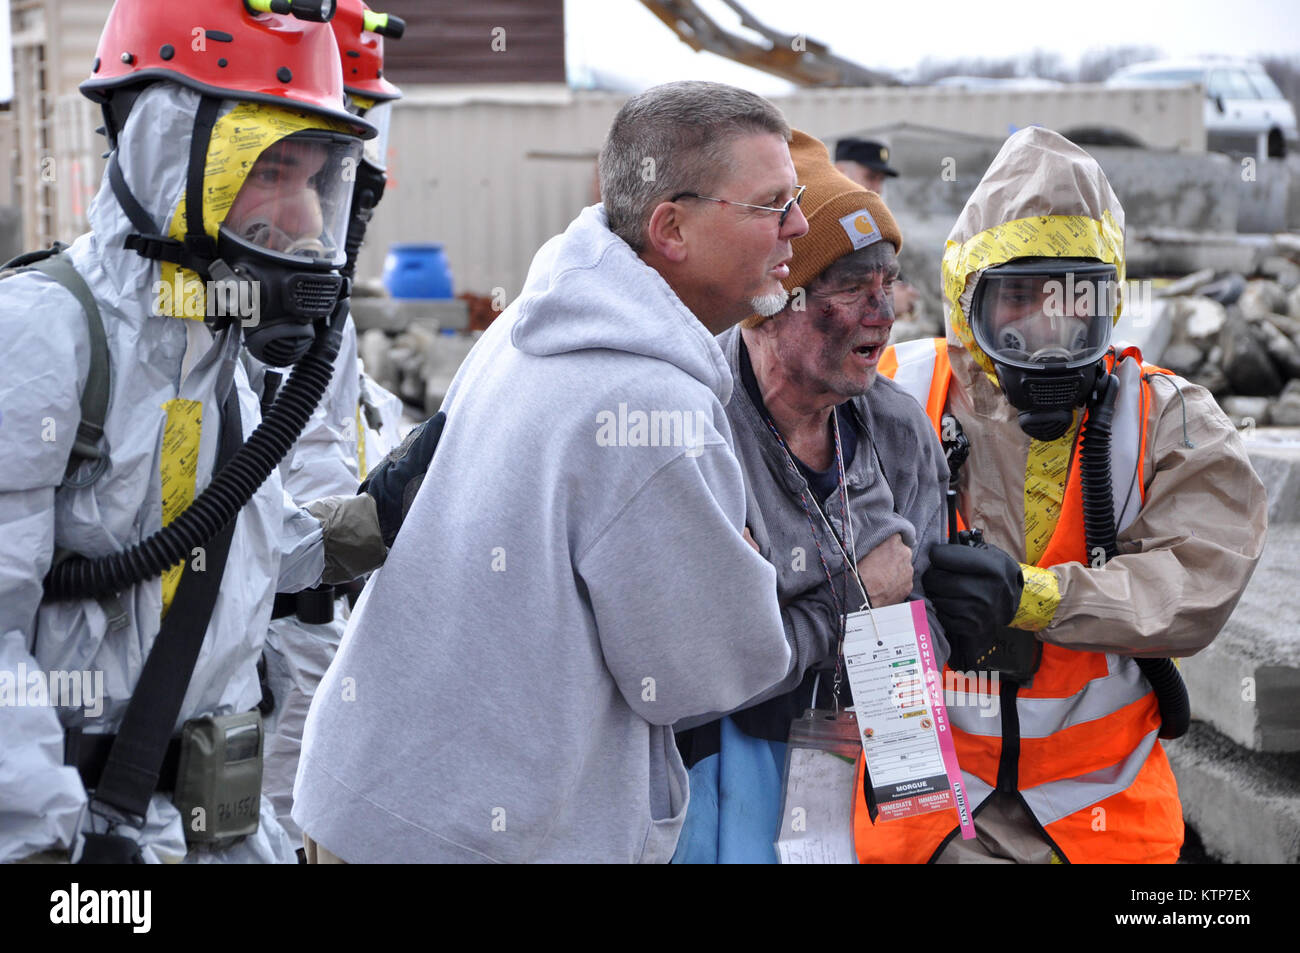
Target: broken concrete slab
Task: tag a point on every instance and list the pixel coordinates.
(1211, 376)
(1288, 326)
(1199, 321)
(1280, 348)
(1275, 454)
(1282, 270)
(1187, 285)
(1154, 252)
(1293, 193)
(1261, 189)
(1242, 409)
(1285, 411)
(1183, 359)
(1245, 805)
(1262, 297)
(1227, 290)
(1246, 683)
(1177, 189)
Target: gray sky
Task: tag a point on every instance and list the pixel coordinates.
(622, 38)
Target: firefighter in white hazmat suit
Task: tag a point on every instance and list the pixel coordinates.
(265, 92)
(356, 424)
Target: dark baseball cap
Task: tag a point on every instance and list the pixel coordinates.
(874, 155)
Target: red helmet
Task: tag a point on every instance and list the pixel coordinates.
(360, 32)
(228, 49)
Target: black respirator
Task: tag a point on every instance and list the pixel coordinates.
(284, 236)
(275, 266)
(1046, 325)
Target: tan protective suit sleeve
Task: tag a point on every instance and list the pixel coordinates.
(1186, 559)
(354, 544)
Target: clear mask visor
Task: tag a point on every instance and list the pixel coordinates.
(1053, 312)
(296, 198)
(376, 149)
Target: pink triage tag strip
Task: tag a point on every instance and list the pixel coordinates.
(902, 721)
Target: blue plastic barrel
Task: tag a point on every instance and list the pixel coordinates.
(417, 271)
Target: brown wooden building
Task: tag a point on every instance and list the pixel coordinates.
(487, 41)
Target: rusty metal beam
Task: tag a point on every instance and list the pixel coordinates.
(794, 57)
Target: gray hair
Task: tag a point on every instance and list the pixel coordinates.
(675, 138)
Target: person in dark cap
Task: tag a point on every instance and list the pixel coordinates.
(866, 162)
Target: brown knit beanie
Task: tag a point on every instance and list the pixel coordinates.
(842, 216)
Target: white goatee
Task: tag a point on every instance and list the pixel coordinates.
(767, 305)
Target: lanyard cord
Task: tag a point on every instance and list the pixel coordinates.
(846, 552)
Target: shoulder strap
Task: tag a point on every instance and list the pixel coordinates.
(135, 760)
(89, 443)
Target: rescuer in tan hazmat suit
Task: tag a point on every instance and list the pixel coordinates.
(1071, 769)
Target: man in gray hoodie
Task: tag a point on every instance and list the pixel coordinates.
(572, 578)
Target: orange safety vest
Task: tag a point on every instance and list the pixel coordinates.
(1082, 750)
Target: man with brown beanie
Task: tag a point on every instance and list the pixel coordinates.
(817, 433)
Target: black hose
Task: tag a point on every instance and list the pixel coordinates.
(230, 490)
(1099, 530)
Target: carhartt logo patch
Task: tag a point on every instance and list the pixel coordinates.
(861, 229)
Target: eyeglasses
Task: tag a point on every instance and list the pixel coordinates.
(783, 209)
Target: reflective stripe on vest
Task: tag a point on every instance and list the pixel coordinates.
(1088, 723)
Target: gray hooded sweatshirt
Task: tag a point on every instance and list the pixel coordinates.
(570, 581)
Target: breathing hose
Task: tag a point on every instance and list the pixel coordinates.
(78, 577)
(1099, 530)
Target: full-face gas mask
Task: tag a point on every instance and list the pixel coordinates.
(1045, 323)
(283, 239)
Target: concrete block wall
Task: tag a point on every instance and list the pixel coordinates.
(1238, 769)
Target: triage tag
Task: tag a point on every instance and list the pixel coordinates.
(902, 722)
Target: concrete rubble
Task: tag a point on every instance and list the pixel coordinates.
(1245, 806)
(1238, 769)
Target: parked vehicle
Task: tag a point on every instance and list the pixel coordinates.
(1245, 112)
